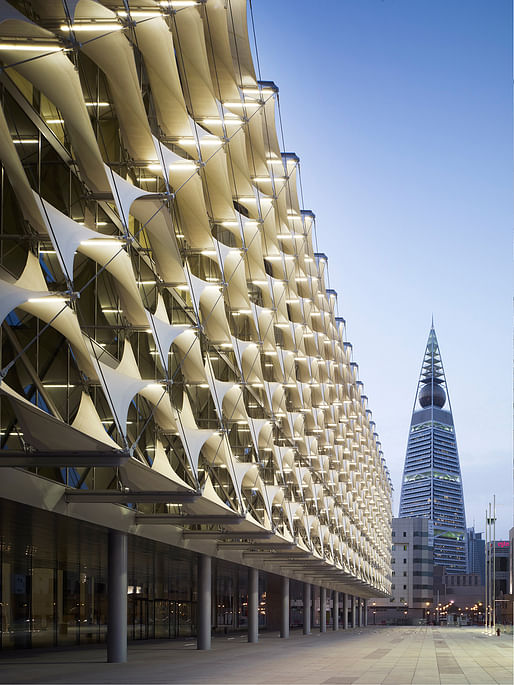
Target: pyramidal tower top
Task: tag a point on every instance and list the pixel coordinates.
(432, 484)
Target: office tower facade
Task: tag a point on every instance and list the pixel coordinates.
(179, 404)
(475, 550)
(432, 484)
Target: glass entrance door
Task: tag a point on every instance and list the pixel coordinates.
(138, 618)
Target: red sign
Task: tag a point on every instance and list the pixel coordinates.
(502, 544)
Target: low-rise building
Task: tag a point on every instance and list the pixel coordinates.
(458, 594)
(511, 560)
(497, 566)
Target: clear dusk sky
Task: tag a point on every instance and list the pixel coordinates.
(401, 114)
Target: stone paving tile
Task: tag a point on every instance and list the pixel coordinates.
(377, 656)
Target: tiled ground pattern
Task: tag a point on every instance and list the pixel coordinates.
(393, 656)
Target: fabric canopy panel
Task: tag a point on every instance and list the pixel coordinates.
(44, 432)
(164, 332)
(120, 383)
(112, 52)
(138, 476)
(156, 44)
(30, 293)
(18, 178)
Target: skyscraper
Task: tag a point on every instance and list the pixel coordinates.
(432, 485)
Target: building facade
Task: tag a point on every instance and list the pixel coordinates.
(412, 561)
(511, 561)
(432, 483)
(498, 566)
(458, 596)
(182, 422)
(475, 551)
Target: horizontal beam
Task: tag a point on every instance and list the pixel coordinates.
(62, 459)
(301, 563)
(118, 497)
(276, 556)
(214, 534)
(270, 546)
(189, 520)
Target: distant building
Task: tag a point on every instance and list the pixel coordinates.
(511, 561)
(412, 575)
(463, 589)
(497, 562)
(475, 545)
(432, 485)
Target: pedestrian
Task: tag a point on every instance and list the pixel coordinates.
(498, 632)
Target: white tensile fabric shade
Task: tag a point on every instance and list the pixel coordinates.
(204, 309)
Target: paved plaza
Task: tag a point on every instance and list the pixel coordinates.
(393, 655)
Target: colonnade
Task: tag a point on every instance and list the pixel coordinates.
(117, 611)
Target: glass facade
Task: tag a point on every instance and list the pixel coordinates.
(53, 585)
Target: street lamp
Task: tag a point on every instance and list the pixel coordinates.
(490, 584)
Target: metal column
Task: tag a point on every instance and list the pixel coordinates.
(253, 605)
(354, 611)
(117, 586)
(365, 612)
(306, 608)
(284, 618)
(335, 610)
(323, 610)
(345, 611)
(204, 602)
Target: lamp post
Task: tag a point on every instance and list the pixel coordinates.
(426, 611)
(490, 575)
(494, 564)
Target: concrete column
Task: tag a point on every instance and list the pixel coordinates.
(361, 613)
(306, 608)
(354, 611)
(253, 605)
(203, 640)
(365, 612)
(284, 618)
(335, 610)
(323, 610)
(117, 608)
(345, 611)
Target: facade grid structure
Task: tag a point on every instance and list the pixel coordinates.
(173, 363)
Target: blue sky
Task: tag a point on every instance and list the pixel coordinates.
(401, 114)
